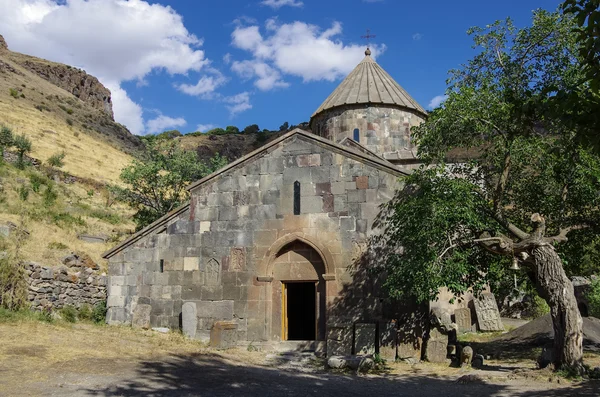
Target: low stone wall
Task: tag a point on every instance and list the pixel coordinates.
(56, 287)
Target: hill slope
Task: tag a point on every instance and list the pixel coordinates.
(34, 101)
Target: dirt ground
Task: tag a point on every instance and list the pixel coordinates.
(41, 359)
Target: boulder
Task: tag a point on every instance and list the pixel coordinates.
(466, 356)
(357, 363)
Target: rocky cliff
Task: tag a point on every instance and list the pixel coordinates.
(75, 81)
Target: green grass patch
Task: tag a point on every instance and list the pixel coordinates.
(106, 216)
(10, 316)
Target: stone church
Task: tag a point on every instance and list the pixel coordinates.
(271, 248)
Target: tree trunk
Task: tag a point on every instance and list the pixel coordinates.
(555, 287)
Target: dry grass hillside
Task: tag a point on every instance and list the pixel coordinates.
(55, 120)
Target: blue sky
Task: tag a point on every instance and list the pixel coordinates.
(198, 64)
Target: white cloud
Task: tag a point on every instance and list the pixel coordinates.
(437, 101)
(163, 123)
(417, 36)
(238, 103)
(205, 86)
(268, 78)
(301, 49)
(227, 59)
(276, 4)
(205, 127)
(127, 112)
(115, 40)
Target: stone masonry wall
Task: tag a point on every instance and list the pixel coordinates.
(383, 130)
(216, 253)
(56, 287)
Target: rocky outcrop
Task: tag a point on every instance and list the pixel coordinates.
(82, 85)
(3, 45)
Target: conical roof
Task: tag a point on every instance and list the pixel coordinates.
(368, 83)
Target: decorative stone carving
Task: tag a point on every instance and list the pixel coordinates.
(364, 338)
(189, 319)
(488, 316)
(462, 318)
(213, 272)
(237, 261)
(437, 346)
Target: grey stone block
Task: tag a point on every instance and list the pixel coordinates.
(222, 310)
(189, 319)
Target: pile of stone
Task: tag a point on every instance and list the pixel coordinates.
(75, 283)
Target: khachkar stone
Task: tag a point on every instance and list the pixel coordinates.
(462, 318)
(436, 349)
(237, 259)
(213, 272)
(486, 310)
(141, 316)
(364, 338)
(189, 319)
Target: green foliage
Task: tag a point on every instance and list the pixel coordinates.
(69, 314)
(539, 307)
(106, 216)
(91, 193)
(524, 159)
(232, 129)
(251, 129)
(157, 180)
(23, 192)
(13, 92)
(55, 245)
(99, 313)
(13, 316)
(23, 146)
(6, 140)
(50, 195)
(593, 297)
(85, 312)
(70, 122)
(57, 160)
(262, 137)
(37, 180)
(216, 131)
(170, 134)
(284, 127)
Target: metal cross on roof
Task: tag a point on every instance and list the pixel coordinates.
(368, 36)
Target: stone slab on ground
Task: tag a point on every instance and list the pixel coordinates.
(189, 319)
(436, 349)
(223, 334)
(141, 316)
(486, 310)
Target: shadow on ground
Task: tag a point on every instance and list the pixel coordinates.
(206, 375)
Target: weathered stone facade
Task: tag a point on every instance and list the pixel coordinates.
(384, 130)
(56, 287)
(238, 242)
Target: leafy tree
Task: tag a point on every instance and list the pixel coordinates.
(23, 146)
(57, 160)
(232, 129)
(528, 186)
(251, 129)
(284, 127)
(156, 182)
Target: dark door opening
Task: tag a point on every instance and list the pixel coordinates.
(301, 311)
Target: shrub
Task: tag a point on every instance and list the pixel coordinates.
(76, 134)
(85, 312)
(14, 93)
(23, 192)
(6, 140)
(56, 160)
(37, 180)
(106, 216)
(23, 145)
(99, 312)
(70, 122)
(50, 195)
(539, 307)
(13, 285)
(65, 219)
(55, 245)
(593, 297)
(69, 314)
(91, 193)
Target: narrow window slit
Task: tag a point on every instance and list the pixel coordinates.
(162, 265)
(356, 135)
(296, 198)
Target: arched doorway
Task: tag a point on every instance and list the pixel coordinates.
(298, 293)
